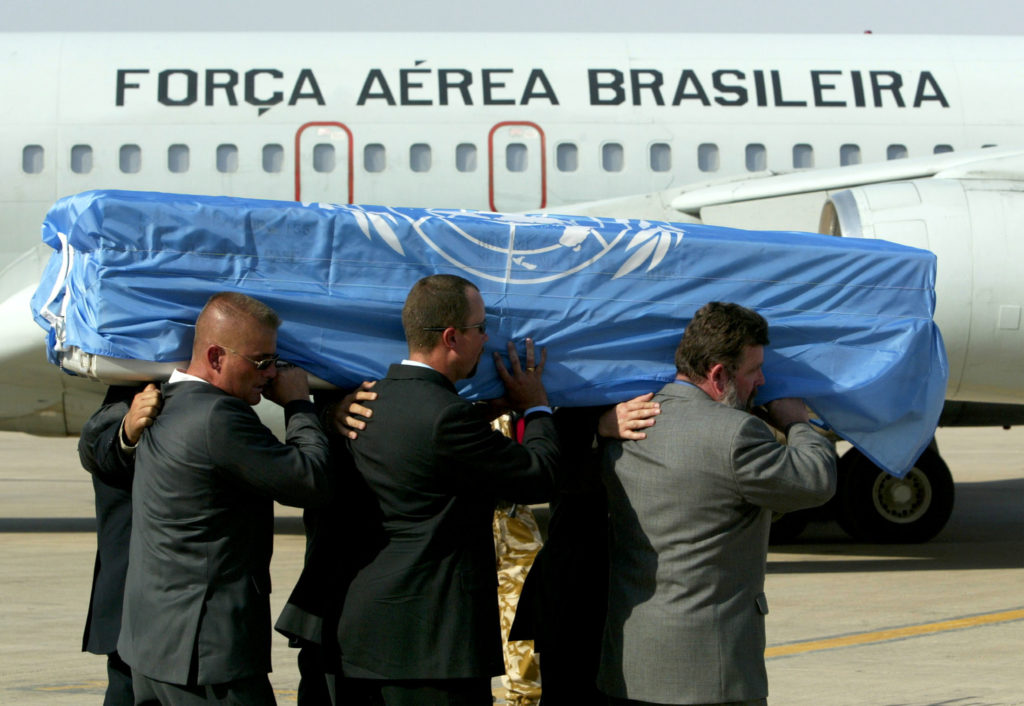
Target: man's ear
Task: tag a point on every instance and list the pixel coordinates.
(448, 337)
(214, 354)
(718, 378)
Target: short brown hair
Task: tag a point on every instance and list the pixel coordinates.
(238, 304)
(718, 333)
(435, 302)
(229, 313)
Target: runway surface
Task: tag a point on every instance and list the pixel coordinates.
(850, 624)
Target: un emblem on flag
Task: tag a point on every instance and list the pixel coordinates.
(523, 249)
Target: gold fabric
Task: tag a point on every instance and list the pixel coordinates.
(516, 543)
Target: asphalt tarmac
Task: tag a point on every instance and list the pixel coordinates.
(933, 624)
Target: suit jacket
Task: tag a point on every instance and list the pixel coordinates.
(340, 539)
(563, 600)
(196, 607)
(690, 510)
(100, 452)
(426, 606)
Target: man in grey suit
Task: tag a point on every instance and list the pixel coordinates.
(690, 510)
(196, 620)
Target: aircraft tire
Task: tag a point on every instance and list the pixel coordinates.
(873, 506)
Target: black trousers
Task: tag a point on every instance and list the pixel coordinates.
(119, 682)
(630, 702)
(314, 682)
(414, 692)
(251, 691)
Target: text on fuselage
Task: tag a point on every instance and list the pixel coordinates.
(420, 86)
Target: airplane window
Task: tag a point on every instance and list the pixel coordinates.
(177, 158)
(323, 158)
(374, 157)
(32, 159)
(707, 157)
(661, 157)
(942, 149)
(896, 152)
(273, 158)
(130, 159)
(803, 156)
(419, 157)
(465, 157)
(567, 157)
(757, 158)
(611, 157)
(81, 159)
(227, 158)
(849, 154)
(515, 157)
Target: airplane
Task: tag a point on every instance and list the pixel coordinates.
(915, 139)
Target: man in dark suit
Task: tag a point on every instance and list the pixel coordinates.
(340, 539)
(565, 595)
(106, 449)
(196, 621)
(690, 509)
(419, 624)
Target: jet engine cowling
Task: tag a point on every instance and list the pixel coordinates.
(975, 229)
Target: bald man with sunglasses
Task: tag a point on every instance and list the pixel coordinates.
(196, 621)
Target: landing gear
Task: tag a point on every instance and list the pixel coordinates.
(873, 506)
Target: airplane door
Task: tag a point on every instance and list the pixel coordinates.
(323, 163)
(516, 167)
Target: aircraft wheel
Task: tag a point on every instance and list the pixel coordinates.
(874, 506)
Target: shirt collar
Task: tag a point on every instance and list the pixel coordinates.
(182, 376)
(416, 363)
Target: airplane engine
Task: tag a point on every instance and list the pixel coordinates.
(975, 229)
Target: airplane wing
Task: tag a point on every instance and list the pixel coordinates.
(609, 298)
(795, 200)
(975, 164)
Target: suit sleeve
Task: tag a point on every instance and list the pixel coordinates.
(476, 459)
(99, 448)
(293, 473)
(783, 477)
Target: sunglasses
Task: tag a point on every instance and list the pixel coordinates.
(482, 326)
(261, 364)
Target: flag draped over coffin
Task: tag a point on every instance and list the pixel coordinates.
(850, 320)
